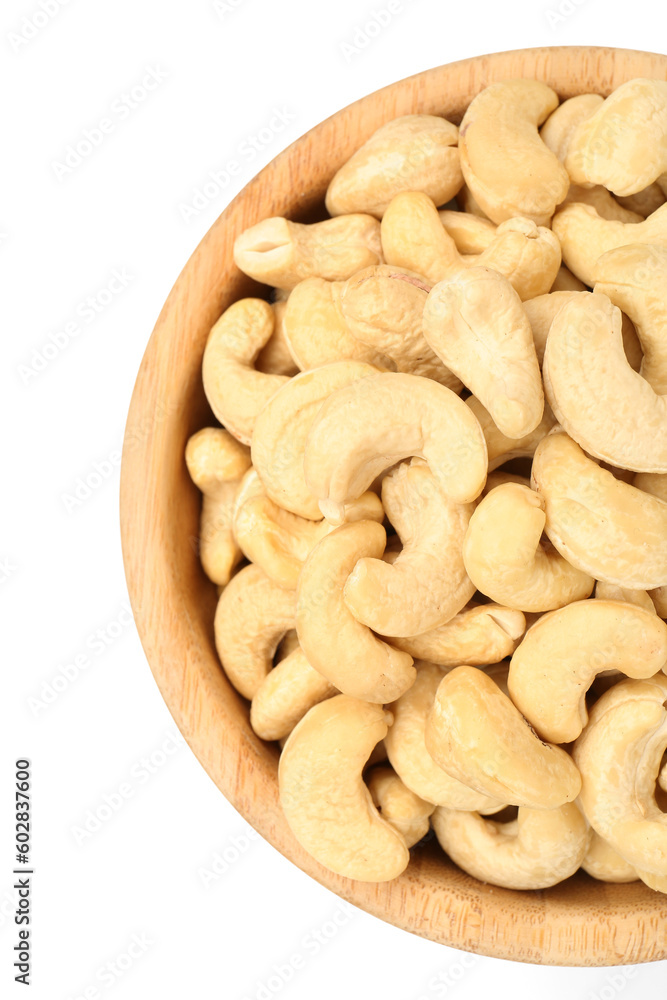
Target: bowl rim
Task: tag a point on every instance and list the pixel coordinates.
(626, 924)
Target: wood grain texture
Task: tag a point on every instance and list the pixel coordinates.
(581, 921)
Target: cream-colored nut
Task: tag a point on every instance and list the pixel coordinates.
(540, 848)
(235, 390)
(505, 559)
(335, 643)
(471, 233)
(500, 448)
(382, 307)
(623, 144)
(413, 237)
(479, 634)
(216, 463)
(605, 864)
(500, 477)
(505, 163)
(475, 323)
(279, 541)
(316, 330)
(565, 281)
(275, 357)
(477, 735)
(250, 486)
(283, 253)
(584, 236)
(619, 755)
(652, 482)
(401, 808)
(555, 664)
(410, 153)
(602, 201)
(252, 616)
(411, 760)
(326, 803)
(557, 131)
(427, 584)
(373, 423)
(605, 527)
(286, 694)
(282, 428)
(610, 592)
(645, 202)
(634, 278)
(592, 389)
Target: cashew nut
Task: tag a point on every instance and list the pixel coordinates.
(478, 635)
(505, 560)
(610, 592)
(500, 448)
(427, 584)
(335, 643)
(602, 201)
(476, 734)
(234, 389)
(508, 168)
(286, 694)
(475, 323)
(369, 425)
(283, 253)
(605, 864)
(406, 812)
(410, 153)
(555, 664)
(471, 233)
(559, 127)
(275, 357)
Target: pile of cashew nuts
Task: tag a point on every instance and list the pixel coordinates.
(436, 506)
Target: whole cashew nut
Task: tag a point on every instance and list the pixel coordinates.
(335, 643)
(478, 635)
(610, 592)
(559, 657)
(326, 803)
(286, 694)
(477, 735)
(602, 201)
(406, 812)
(410, 153)
(427, 584)
(369, 425)
(216, 463)
(505, 560)
(235, 390)
(282, 253)
(501, 448)
(557, 131)
(471, 233)
(508, 168)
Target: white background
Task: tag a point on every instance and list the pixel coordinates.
(136, 882)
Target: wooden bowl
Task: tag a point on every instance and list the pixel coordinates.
(579, 922)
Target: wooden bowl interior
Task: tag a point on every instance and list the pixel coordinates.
(579, 922)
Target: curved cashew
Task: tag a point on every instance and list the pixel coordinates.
(626, 737)
(586, 373)
(555, 664)
(283, 253)
(602, 201)
(413, 237)
(644, 202)
(275, 357)
(234, 389)
(282, 428)
(475, 323)
(565, 281)
(505, 560)
(406, 812)
(326, 803)
(538, 849)
(317, 331)
(584, 236)
(557, 131)
(375, 422)
(479, 634)
(605, 864)
(610, 592)
(216, 462)
(286, 694)
(500, 448)
(411, 760)
(252, 616)
(471, 233)
(634, 277)
(427, 584)
(623, 144)
(508, 168)
(382, 307)
(476, 734)
(410, 153)
(335, 643)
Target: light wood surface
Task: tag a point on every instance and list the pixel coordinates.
(581, 921)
